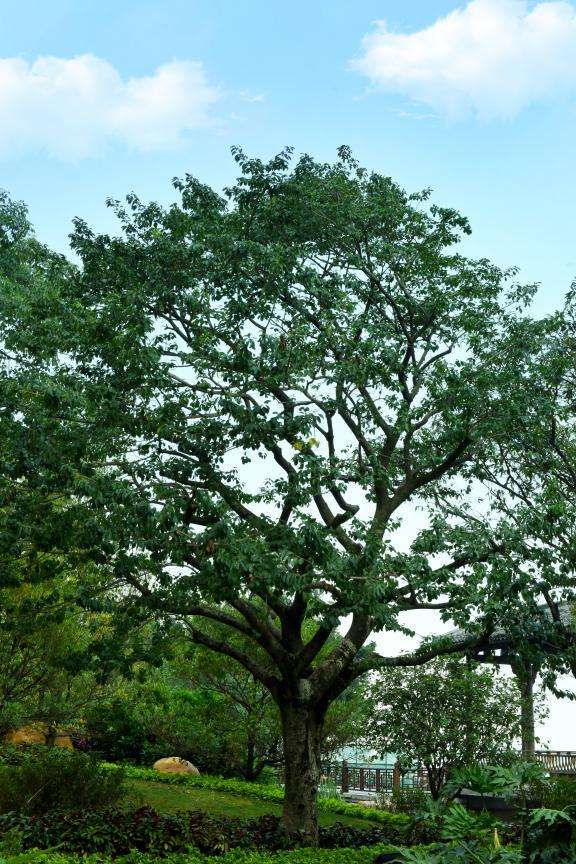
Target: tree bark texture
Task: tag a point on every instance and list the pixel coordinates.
(302, 730)
(526, 676)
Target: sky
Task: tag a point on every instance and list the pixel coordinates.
(476, 100)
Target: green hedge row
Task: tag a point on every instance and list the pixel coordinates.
(267, 793)
(296, 856)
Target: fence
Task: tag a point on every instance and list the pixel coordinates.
(368, 778)
(557, 761)
(362, 777)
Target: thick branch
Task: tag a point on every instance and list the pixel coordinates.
(259, 672)
(422, 655)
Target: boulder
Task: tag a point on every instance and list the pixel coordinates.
(25, 735)
(175, 765)
(36, 735)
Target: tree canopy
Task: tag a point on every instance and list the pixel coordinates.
(262, 385)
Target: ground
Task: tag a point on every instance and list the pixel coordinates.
(169, 799)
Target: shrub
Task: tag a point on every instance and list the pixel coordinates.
(56, 779)
(114, 831)
(408, 801)
(114, 732)
(236, 856)
(11, 754)
(559, 792)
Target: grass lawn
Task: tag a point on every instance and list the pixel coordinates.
(169, 799)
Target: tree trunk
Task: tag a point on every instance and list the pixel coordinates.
(436, 779)
(250, 772)
(51, 734)
(525, 678)
(302, 731)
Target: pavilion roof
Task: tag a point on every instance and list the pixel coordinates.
(500, 637)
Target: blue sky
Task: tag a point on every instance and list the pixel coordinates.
(475, 99)
(274, 74)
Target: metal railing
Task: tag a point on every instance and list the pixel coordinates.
(385, 778)
(360, 777)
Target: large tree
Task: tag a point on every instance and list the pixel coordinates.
(271, 379)
(44, 531)
(50, 543)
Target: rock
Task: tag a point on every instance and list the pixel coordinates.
(36, 735)
(175, 765)
(25, 735)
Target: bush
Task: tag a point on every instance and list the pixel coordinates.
(117, 832)
(11, 754)
(114, 732)
(559, 792)
(56, 779)
(408, 801)
(237, 856)
(163, 721)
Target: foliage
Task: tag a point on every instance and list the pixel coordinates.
(470, 838)
(559, 792)
(49, 541)
(236, 856)
(41, 530)
(461, 853)
(551, 836)
(117, 831)
(267, 792)
(46, 672)
(151, 712)
(113, 731)
(529, 507)
(444, 715)
(521, 781)
(548, 834)
(238, 710)
(55, 779)
(408, 800)
(198, 706)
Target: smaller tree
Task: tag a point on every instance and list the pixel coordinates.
(443, 716)
(215, 714)
(50, 663)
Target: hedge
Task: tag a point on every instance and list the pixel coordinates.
(117, 831)
(296, 856)
(267, 793)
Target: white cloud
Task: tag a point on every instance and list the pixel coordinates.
(73, 108)
(247, 96)
(491, 58)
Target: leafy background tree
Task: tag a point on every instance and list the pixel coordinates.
(200, 706)
(445, 715)
(526, 508)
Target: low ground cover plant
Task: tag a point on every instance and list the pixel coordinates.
(237, 856)
(264, 792)
(116, 832)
